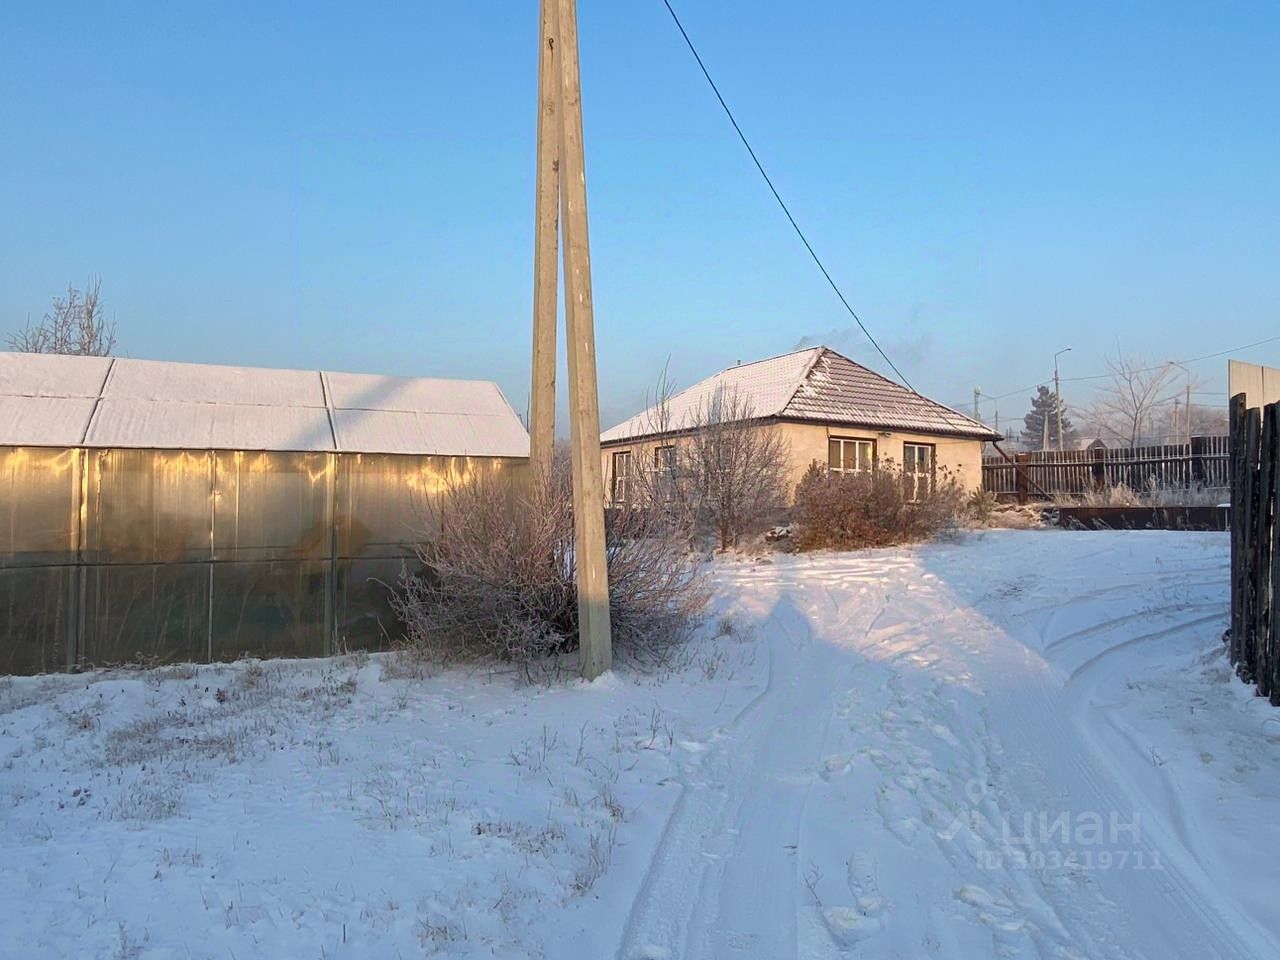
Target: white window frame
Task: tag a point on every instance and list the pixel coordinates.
(912, 477)
(665, 463)
(620, 480)
(857, 464)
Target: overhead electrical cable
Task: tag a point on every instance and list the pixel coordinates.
(777, 196)
(984, 398)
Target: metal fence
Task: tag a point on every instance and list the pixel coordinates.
(1203, 462)
(114, 555)
(1254, 638)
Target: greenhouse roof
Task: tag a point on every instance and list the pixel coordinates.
(58, 401)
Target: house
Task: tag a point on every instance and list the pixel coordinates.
(180, 511)
(828, 409)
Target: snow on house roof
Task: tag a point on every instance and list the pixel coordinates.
(816, 384)
(117, 402)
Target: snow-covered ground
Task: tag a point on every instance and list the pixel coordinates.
(1023, 744)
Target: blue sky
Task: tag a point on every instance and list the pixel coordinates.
(351, 187)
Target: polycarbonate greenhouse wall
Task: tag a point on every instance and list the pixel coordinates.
(117, 555)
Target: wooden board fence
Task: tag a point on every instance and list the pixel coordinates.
(1204, 462)
(1253, 640)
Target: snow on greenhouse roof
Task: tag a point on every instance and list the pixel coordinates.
(103, 402)
(816, 384)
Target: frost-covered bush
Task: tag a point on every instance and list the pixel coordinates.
(846, 511)
(496, 577)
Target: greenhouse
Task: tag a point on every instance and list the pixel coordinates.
(154, 511)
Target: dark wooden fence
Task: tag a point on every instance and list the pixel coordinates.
(1201, 463)
(1253, 639)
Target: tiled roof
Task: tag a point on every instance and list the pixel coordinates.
(816, 384)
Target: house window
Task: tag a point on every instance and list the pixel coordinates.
(917, 470)
(664, 469)
(851, 456)
(664, 459)
(621, 478)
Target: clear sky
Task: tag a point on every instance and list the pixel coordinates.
(351, 186)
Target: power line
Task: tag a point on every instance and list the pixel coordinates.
(1107, 376)
(777, 196)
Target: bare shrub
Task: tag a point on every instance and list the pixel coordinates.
(75, 324)
(496, 577)
(847, 510)
(726, 475)
(738, 467)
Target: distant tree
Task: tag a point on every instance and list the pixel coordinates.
(76, 324)
(1129, 409)
(1041, 422)
(1208, 421)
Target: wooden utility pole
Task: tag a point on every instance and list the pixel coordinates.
(546, 212)
(562, 175)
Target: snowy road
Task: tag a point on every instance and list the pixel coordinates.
(977, 750)
(1024, 744)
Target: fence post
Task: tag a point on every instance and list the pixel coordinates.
(1263, 559)
(1020, 477)
(1248, 531)
(1272, 637)
(1235, 480)
(1199, 447)
(1098, 469)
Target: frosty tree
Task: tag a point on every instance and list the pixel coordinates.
(1040, 425)
(75, 324)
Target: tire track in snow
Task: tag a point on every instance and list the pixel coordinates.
(674, 875)
(1107, 625)
(1183, 896)
(1189, 887)
(741, 810)
(1093, 662)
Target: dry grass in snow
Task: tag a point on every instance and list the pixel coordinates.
(334, 808)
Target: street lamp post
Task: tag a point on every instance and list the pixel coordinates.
(1187, 405)
(1057, 393)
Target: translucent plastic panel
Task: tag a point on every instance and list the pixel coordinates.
(365, 620)
(272, 506)
(146, 611)
(35, 610)
(386, 502)
(148, 506)
(270, 609)
(37, 507)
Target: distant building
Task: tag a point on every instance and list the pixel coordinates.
(1087, 443)
(180, 511)
(829, 410)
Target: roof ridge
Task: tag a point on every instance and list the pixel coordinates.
(714, 378)
(752, 363)
(97, 401)
(818, 354)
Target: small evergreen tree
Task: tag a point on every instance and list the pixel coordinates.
(1042, 421)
